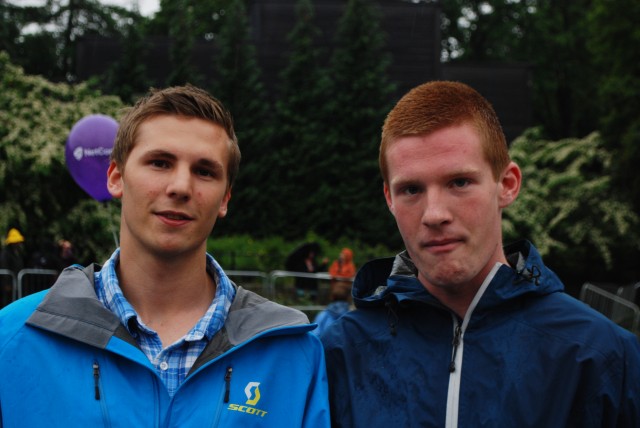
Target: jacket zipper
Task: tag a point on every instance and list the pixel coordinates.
(96, 380)
(227, 384)
(454, 375)
(98, 395)
(455, 343)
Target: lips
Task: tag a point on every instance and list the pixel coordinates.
(437, 245)
(174, 216)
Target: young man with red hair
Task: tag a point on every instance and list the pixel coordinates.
(459, 331)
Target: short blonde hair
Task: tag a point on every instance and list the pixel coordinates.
(187, 101)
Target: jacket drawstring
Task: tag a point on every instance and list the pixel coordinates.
(227, 382)
(96, 379)
(392, 316)
(455, 343)
(529, 275)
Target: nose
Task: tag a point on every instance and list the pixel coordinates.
(179, 185)
(435, 209)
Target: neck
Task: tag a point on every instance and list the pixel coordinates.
(170, 296)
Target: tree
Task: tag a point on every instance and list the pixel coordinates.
(550, 35)
(50, 51)
(209, 13)
(37, 192)
(614, 34)
(569, 208)
(349, 199)
(182, 42)
(238, 85)
(298, 146)
(127, 78)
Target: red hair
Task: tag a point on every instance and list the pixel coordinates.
(439, 104)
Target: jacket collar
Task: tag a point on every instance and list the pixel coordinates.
(382, 279)
(72, 309)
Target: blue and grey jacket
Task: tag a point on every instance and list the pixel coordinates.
(525, 355)
(66, 361)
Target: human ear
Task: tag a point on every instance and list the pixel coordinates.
(224, 205)
(387, 197)
(509, 185)
(114, 180)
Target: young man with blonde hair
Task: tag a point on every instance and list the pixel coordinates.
(459, 331)
(159, 336)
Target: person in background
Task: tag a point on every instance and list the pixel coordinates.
(459, 330)
(340, 294)
(304, 259)
(158, 335)
(343, 267)
(12, 259)
(12, 256)
(342, 271)
(64, 255)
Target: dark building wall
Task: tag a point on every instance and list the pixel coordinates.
(412, 36)
(506, 86)
(413, 41)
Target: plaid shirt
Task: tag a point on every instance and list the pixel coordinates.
(173, 362)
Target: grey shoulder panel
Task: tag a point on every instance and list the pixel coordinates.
(72, 309)
(251, 314)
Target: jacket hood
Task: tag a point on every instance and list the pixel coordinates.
(389, 279)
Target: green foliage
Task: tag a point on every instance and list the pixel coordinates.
(348, 193)
(570, 210)
(183, 38)
(38, 194)
(239, 86)
(209, 13)
(614, 36)
(50, 51)
(244, 252)
(549, 35)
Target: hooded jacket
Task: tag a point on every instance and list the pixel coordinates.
(525, 355)
(66, 361)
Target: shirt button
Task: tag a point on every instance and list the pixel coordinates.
(164, 366)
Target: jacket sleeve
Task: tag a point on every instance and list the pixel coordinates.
(629, 415)
(614, 384)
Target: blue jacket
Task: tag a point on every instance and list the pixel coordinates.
(66, 361)
(329, 315)
(525, 355)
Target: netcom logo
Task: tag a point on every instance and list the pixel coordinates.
(253, 393)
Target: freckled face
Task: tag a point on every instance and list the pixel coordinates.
(448, 206)
(173, 186)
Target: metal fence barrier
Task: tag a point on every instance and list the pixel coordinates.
(8, 287)
(620, 310)
(33, 280)
(630, 292)
(277, 285)
(262, 286)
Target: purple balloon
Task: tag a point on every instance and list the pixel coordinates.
(87, 153)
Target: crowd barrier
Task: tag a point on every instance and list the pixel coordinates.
(623, 311)
(27, 281)
(277, 285)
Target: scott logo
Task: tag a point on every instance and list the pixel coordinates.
(252, 391)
